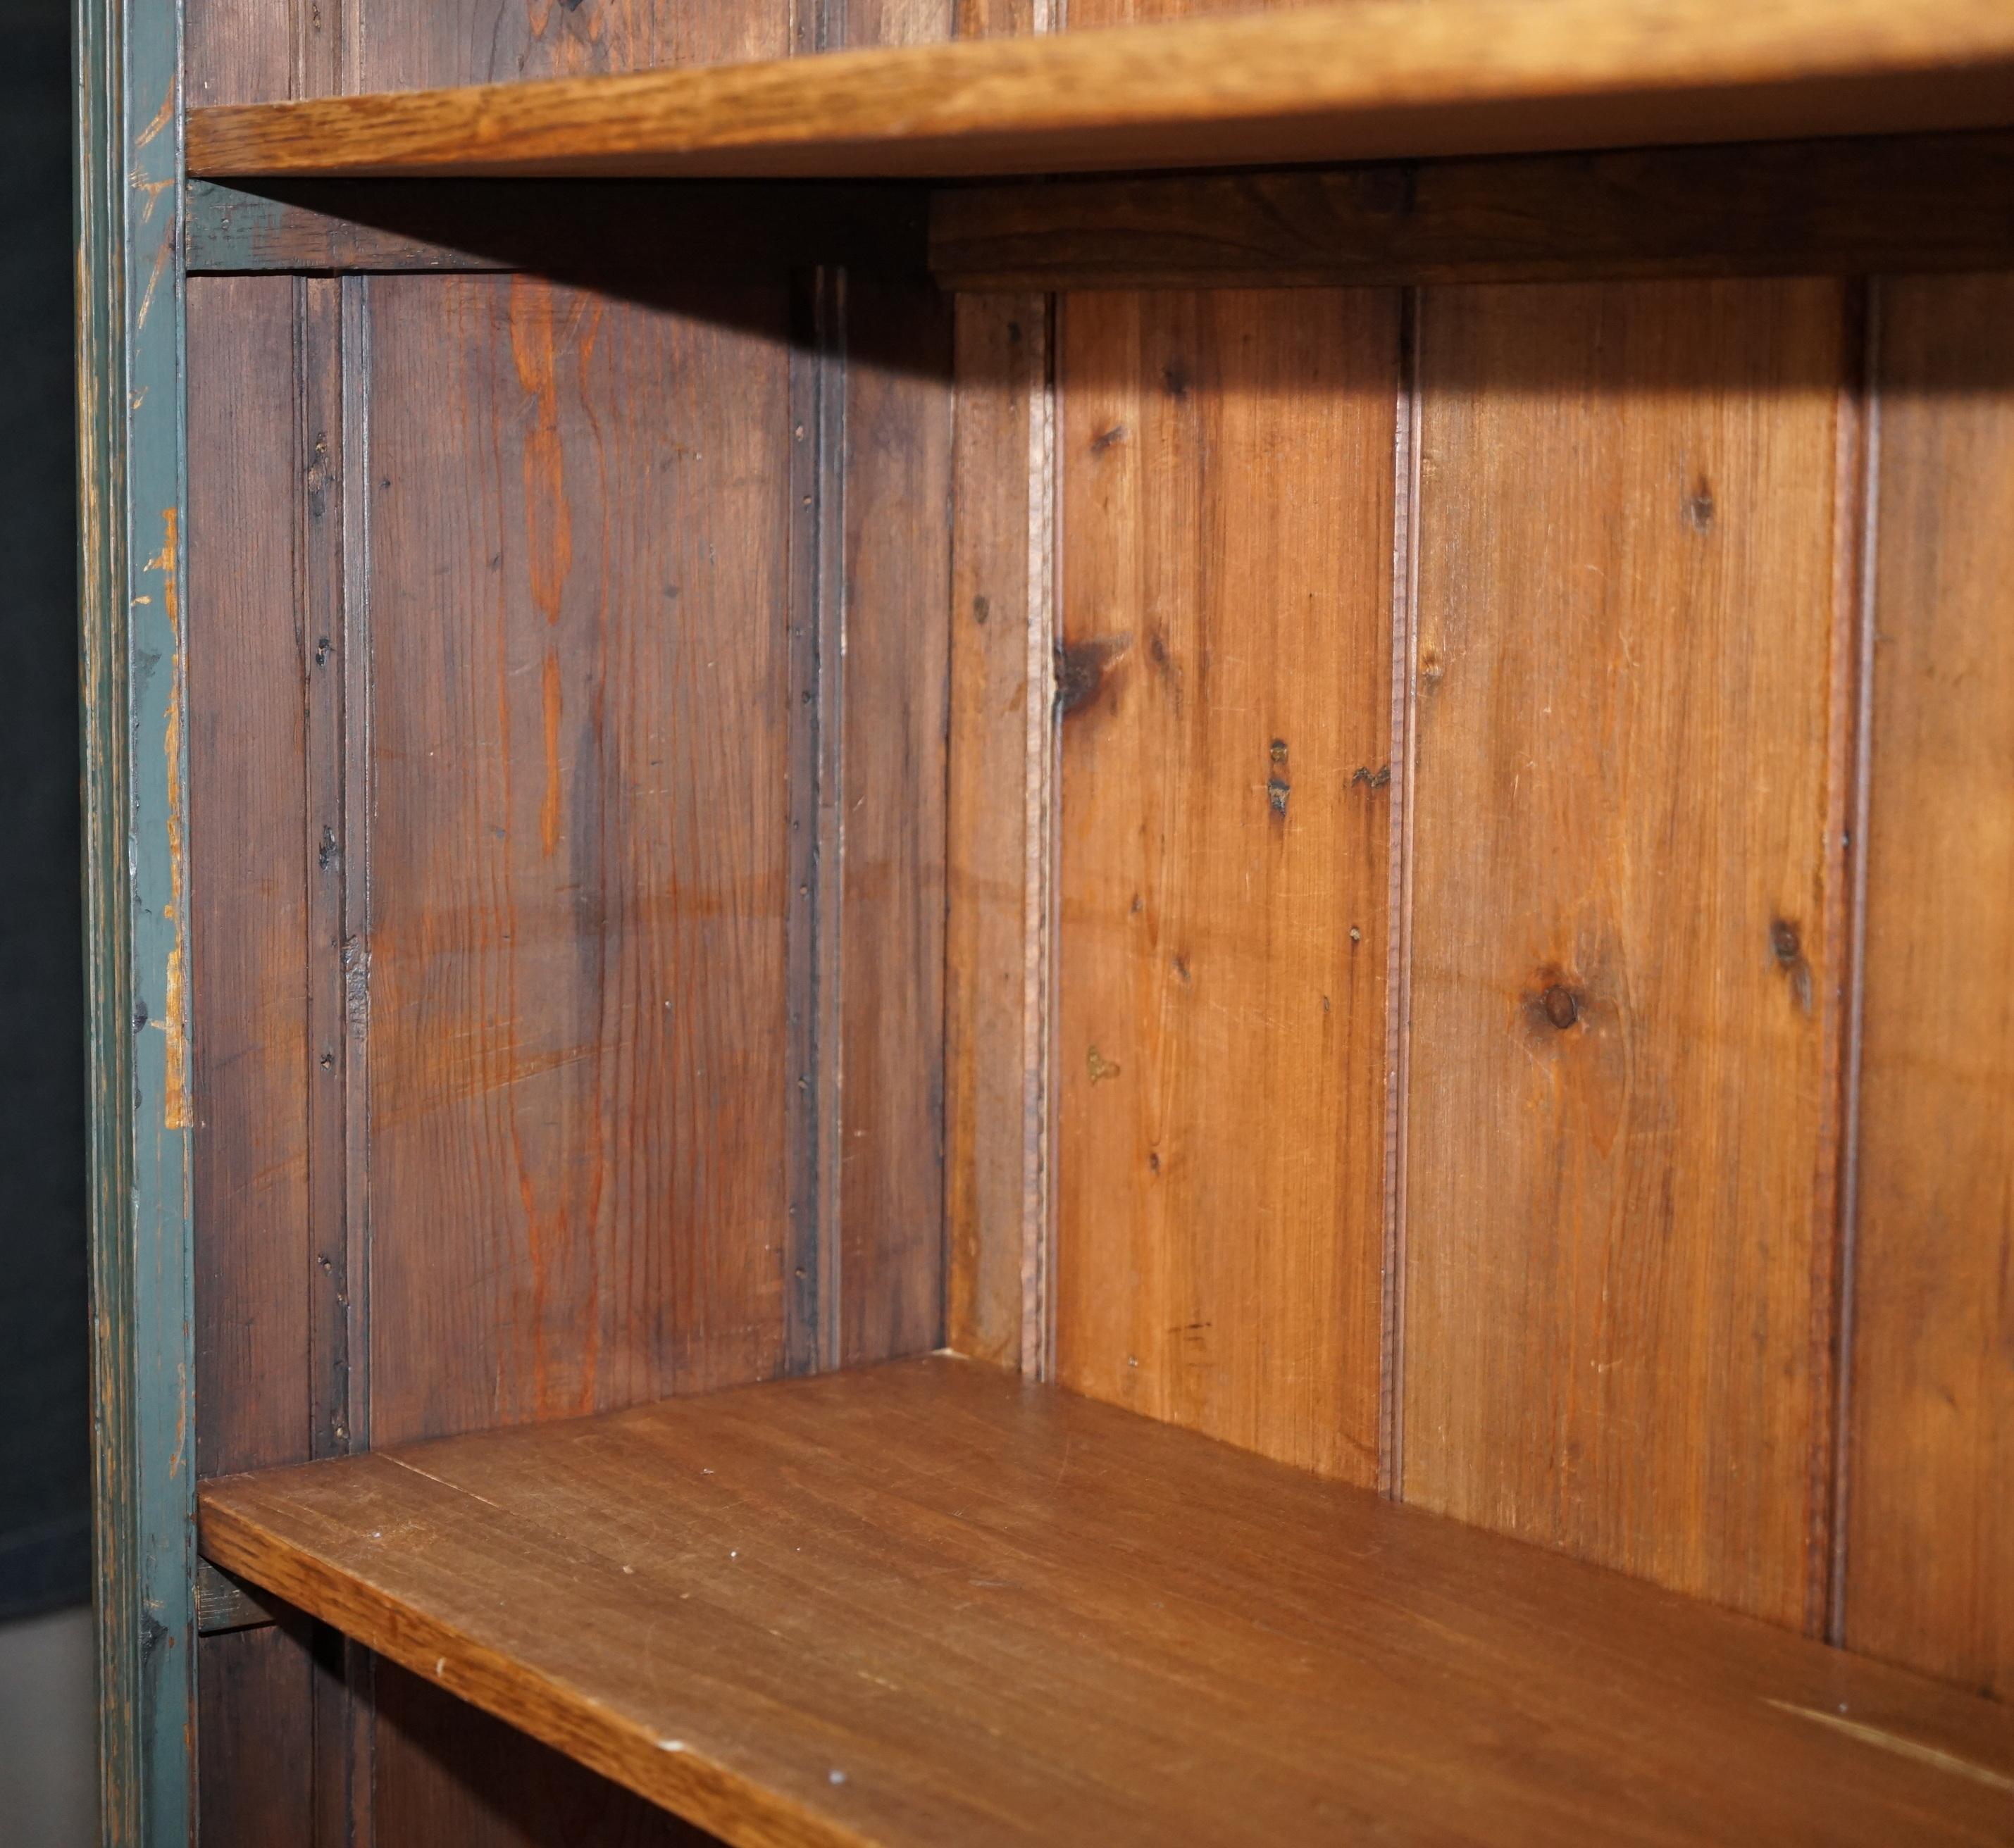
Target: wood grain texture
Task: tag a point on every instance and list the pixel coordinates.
(897, 567)
(1626, 1009)
(928, 1602)
(991, 1302)
(248, 674)
(576, 978)
(237, 50)
(255, 1752)
(406, 43)
(1931, 1542)
(1792, 208)
(1225, 799)
(1375, 79)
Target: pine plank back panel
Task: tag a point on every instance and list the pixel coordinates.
(579, 882)
(898, 551)
(995, 1008)
(1225, 497)
(1625, 975)
(1929, 1475)
(248, 810)
(1624, 1246)
(569, 1148)
(252, 1069)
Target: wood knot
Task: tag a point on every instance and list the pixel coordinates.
(1699, 506)
(1553, 1004)
(1081, 670)
(1786, 945)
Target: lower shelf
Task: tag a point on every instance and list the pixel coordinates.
(927, 1604)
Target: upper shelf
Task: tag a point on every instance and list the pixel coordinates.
(927, 1603)
(1380, 79)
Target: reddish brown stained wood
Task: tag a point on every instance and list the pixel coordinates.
(1079, 14)
(897, 567)
(248, 881)
(577, 1020)
(996, 18)
(1790, 207)
(237, 51)
(1929, 1556)
(1625, 1012)
(1376, 79)
(254, 1750)
(1002, 364)
(928, 1603)
(448, 1772)
(1226, 780)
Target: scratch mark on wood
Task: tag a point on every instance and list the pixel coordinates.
(1891, 1742)
(173, 1020)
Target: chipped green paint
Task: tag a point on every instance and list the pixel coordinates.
(129, 281)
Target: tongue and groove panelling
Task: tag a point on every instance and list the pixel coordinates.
(1635, 576)
(1605, 1254)
(579, 573)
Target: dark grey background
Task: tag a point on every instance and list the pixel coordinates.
(45, 1473)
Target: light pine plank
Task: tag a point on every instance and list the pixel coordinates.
(1227, 486)
(1930, 1549)
(1625, 1011)
(1378, 78)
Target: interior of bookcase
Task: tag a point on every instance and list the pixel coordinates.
(1121, 948)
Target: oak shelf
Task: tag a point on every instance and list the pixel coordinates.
(1380, 79)
(927, 1604)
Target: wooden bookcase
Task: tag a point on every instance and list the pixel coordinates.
(1016, 929)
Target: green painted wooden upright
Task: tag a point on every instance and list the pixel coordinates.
(131, 443)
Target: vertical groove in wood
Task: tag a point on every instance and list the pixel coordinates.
(353, 951)
(320, 30)
(322, 449)
(319, 599)
(804, 1335)
(359, 1666)
(817, 391)
(332, 381)
(828, 874)
(1041, 785)
(1831, 1231)
(1399, 969)
(1865, 535)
